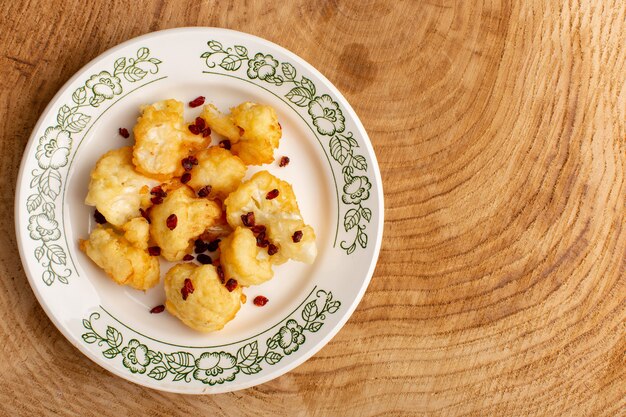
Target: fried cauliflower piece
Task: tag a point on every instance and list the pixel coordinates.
(162, 140)
(218, 168)
(193, 216)
(261, 133)
(124, 262)
(210, 306)
(116, 189)
(253, 130)
(137, 232)
(242, 259)
(281, 216)
(220, 123)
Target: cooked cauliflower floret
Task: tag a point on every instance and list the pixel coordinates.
(281, 216)
(209, 306)
(261, 133)
(124, 262)
(137, 232)
(242, 259)
(162, 140)
(193, 216)
(218, 168)
(220, 123)
(253, 130)
(116, 189)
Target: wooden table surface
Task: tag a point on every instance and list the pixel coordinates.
(500, 130)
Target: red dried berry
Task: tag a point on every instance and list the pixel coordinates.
(158, 191)
(284, 161)
(261, 241)
(198, 101)
(154, 250)
(156, 200)
(188, 257)
(158, 309)
(98, 217)
(185, 178)
(206, 132)
(272, 194)
(204, 191)
(248, 219)
(225, 144)
(272, 249)
(204, 259)
(124, 132)
(171, 221)
(200, 246)
(193, 160)
(213, 245)
(259, 228)
(145, 215)
(220, 273)
(194, 129)
(231, 284)
(260, 300)
(297, 236)
(186, 163)
(200, 123)
(187, 288)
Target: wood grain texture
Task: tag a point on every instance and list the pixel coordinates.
(500, 129)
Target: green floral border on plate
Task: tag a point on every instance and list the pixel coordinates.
(208, 367)
(214, 367)
(324, 114)
(54, 149)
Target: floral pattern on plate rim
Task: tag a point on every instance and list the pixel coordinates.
(54, 148)
(214, 367)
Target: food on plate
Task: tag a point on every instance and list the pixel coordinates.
(220, 123)
(197, 296)
(274, 206)
(243, 260)
(125, 262)
(137, 232)
(116, 189)
(162, 140)
(175, 196)
(253, 130)
(218, 168)
(180, 219)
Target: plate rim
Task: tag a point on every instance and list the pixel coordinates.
(273, 372)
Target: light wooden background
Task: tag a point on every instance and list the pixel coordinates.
(500, 128)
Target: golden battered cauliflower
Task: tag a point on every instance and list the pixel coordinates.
(280, 215)
(242, 259)
(220, 123)
(253, 130)
(162, 140)
(218, 168)
(116, 189)
(192, 217)
(124, 262)
(137, 232)
(208, 305)
(261, 133)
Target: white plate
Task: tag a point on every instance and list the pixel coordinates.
(333, 170)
